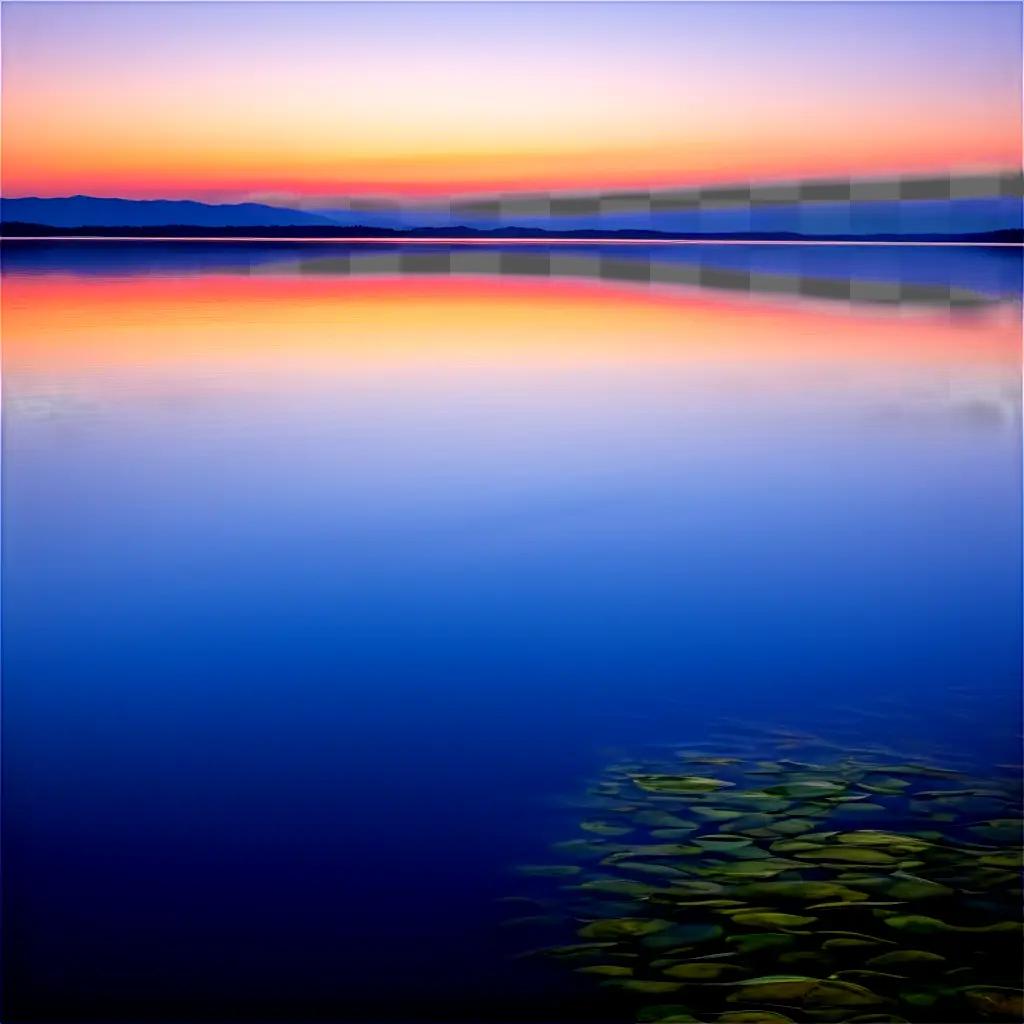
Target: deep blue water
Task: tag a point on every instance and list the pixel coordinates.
(305, 640)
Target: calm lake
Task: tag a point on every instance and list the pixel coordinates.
(333, 577)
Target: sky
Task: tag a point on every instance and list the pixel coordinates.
(312, 101)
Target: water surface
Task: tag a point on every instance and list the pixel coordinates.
(326, 583)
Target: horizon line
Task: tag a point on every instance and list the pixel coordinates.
(455, 240)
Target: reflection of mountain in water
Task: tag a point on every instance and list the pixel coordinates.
(933, 275)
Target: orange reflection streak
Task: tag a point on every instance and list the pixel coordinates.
(61, 324)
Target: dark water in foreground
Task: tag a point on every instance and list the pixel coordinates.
(328, 587)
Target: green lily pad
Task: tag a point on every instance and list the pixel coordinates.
(752, 1017)
(645, 986)
(876, 1018)
(834, 992)
(643, 868)
(756, 942)
(576, 951)
(907, 960)
(792, 826)
(623, 928)
(678, 783)
(703, 970)
(844, 943)
(619, 887)
(662, 819)
(873, 837)
(922, 925)
(847, 854)
(886, 785)
(995, 1003)
(747, 869)
(809, 890)
(771, 919)
(670, 1014)
(605, 828)
(905, 886)
(608, 970)
(652, 850)
(683, 935)
(807, 789)
(696, 887)
(717, 813)
(774, 988)
(722, 841)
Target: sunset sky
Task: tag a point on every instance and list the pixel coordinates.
(232, 101)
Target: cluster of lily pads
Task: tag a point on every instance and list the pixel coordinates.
(729, 890)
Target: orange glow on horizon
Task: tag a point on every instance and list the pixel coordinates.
(334, 322)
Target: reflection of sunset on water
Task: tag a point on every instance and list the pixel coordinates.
(67, 324)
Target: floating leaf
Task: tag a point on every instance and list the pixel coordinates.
(604, 828)
(905, 886)
(610, 970)
(717, 813)
(662, 819)
(678, 783)
(847, 854)
(808, 789)
(623, 928)
(810, 890)
(703, 970)
(756, 942)
(772, 919)
(775, 988)
(684, 935)
(920, 924)
(906, 959)
(647, 987)
(664, 1014)
(619, 886)
(752, 1017)
(994, 1002)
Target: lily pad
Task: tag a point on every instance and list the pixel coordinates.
(905, 886)
(922, 925)
(605, 828)
(643, 868)
(623, 928)
(608, 970)
(662, 819)
(995, 1003)
(645, 986)
(772, 919)
(679, 783)
(847, 854)
(807, 789)
(717, 813)
(703, 970)
(809, 890)
(683, 935)
(906, 960)
(619, 887)
(757, 942)
(752, 1017)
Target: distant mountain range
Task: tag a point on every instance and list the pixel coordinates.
(88, 211)
(989, 218)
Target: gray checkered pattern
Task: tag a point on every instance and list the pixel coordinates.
(544, 261)
(852, 191)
